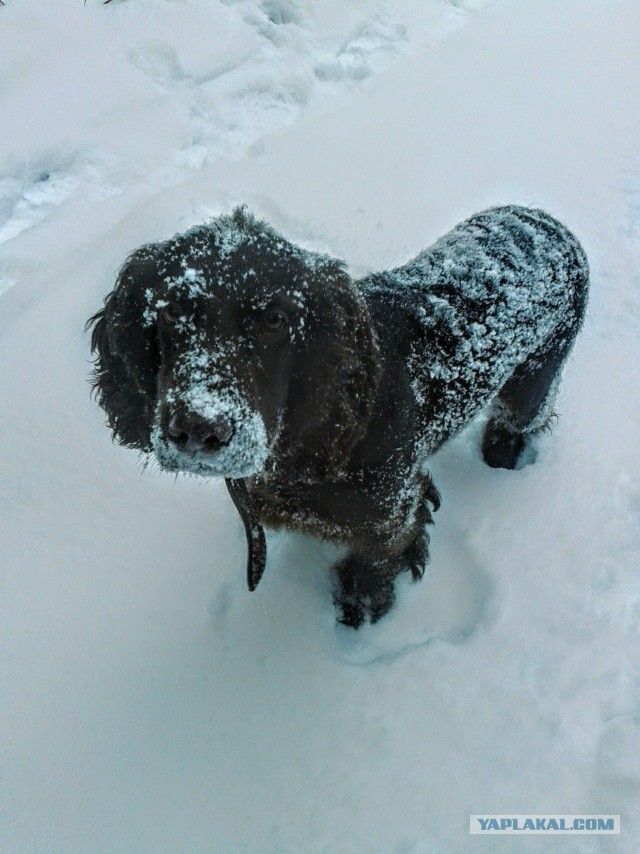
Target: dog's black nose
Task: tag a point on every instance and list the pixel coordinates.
(192, 433)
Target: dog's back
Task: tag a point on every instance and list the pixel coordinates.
(504, 288)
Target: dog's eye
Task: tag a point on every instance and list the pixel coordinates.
(171, 313)
(273, 320)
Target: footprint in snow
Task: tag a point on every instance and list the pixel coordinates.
(353, 60)
(26, 196)
(30, 191)
(447, 605)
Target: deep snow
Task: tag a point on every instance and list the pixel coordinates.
(149, 702)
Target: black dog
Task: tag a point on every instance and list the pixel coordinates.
(229, 352)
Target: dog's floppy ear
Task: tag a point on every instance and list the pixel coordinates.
(333, 392)
(127, 360)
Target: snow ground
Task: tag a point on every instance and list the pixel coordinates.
(149, 703)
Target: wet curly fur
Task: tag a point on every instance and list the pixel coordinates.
(229, 351)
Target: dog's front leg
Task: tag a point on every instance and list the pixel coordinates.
(366, 580)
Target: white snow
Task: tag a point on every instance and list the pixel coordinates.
(149, 702)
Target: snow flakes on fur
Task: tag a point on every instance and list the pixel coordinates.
(494, 292)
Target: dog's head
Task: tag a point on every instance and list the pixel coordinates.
(227, 345)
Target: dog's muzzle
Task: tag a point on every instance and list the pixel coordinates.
(210, 433)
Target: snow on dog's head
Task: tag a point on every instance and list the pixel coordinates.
(227, 346)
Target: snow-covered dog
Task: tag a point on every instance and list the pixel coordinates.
(229, 352)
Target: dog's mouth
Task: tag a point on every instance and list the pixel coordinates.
(212, 434)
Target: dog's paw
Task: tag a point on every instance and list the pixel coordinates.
(364, 592)
(504, 450)
(351, 612)
(355, 610)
